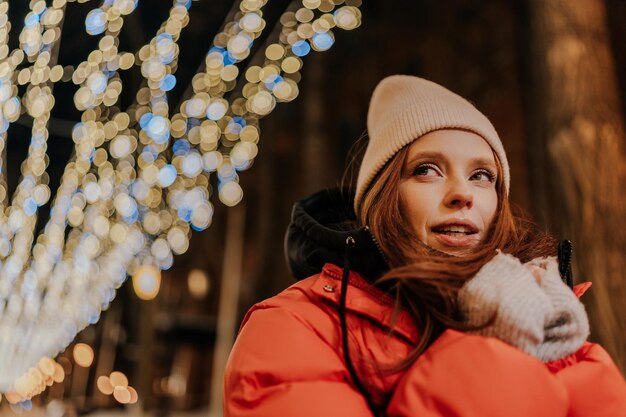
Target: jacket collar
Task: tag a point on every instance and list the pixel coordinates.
(365, 300)
(320, 226)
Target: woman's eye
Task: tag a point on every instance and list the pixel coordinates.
(483, 175)
(425, 170)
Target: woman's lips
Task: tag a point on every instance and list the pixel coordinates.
(457, 240)
(456, 233)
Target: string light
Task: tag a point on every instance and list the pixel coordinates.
(139, 179)
(35, 380)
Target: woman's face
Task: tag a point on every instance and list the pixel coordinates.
(448, 189)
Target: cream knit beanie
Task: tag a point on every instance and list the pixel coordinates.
(404, 108)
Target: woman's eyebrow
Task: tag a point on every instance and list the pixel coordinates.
(480, 161)
(435, 155)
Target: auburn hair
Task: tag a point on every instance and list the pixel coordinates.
(424, 281)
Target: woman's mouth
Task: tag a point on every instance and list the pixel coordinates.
(456, 234)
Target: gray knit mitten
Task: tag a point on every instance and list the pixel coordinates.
(544, 319)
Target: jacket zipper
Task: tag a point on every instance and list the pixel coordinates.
(380, 250)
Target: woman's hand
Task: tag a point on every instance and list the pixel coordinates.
(531, 308)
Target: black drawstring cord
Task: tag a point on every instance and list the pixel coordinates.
(350, 242)
(564, 251)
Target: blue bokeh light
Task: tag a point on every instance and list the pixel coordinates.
(181, 147)
(168, 82)
(95, 22)
(156, 125)
(30, 206)
(192, 164)
(165, 48)
(133, 216)
(227, 58)
(236, 124)
(99, 85)
(239, 120)
(271, 82)
(164, 35)
(157, 128)
(37, 141)
(186, 3)
(149, 154)
(185, 213)
(301, 48)
(323, 41)
(145, 119)
(167, 175)
(31, 20)
(26, 405)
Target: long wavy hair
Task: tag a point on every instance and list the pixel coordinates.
(425, 282)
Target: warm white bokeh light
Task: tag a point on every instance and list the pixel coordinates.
(83, 355)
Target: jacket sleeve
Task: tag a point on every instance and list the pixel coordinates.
(593, 381)
(464, 375)
(279, 366)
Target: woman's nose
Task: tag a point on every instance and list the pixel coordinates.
(459, 195)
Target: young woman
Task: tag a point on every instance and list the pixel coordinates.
(421, 294)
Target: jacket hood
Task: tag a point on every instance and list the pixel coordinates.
(318, 234)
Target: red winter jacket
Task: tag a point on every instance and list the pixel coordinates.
(288, 361)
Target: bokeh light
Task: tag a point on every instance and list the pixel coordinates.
(116, 384)
(198, 283)
(147, 281)
(83, 355)
(139, 180)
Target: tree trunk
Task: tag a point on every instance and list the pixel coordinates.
(579, 151)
